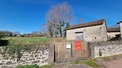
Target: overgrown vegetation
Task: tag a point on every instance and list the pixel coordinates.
(28, 66)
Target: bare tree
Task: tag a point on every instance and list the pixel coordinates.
(57, 16)
(81, 21)
(44, 31)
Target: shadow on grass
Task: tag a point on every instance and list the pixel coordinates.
(3, 42)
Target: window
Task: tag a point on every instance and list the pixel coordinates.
(79, 36)
(78, 32)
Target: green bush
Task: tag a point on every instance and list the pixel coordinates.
(28, 66)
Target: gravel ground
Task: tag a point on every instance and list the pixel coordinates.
(114, 63)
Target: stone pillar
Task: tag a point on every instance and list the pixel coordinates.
(51, 54)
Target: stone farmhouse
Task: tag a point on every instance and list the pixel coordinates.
(94, 31)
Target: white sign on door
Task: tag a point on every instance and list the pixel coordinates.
(68, 46)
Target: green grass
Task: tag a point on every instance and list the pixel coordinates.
(47, 66)
(28, 66)
(91, 63)
(27, 40)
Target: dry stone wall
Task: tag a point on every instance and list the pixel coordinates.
(109, 48)
(40, 55)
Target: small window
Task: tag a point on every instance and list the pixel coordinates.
(78, 32)
(79, 36)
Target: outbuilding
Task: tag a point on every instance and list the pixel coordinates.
(113, 32)
(92, 31)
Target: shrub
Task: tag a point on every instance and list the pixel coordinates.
(28, 66)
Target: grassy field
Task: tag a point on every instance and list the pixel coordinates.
(27, 40)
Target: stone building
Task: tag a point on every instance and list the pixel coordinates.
(113, 32)
(120, 23)
(91, 31)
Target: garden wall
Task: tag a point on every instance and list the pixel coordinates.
(40, 55)
(101, 49)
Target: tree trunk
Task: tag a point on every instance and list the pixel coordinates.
(60, 31)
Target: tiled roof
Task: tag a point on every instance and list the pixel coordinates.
(93, 23)
(113, 29)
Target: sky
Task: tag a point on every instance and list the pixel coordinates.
(26, 16)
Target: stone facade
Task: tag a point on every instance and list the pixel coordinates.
(121, 29)
(40, 55)
(101, 49)
(90, 34)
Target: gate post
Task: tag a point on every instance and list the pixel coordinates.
(51, 53)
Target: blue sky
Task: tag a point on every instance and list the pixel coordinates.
(27, 16)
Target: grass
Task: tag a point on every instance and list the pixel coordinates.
(28, 66)
(27, 40)
(92, 64)
(47, 66)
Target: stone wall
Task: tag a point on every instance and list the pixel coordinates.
(40, 55)
(101, 49)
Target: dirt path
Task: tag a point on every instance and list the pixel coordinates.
(114, 63)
